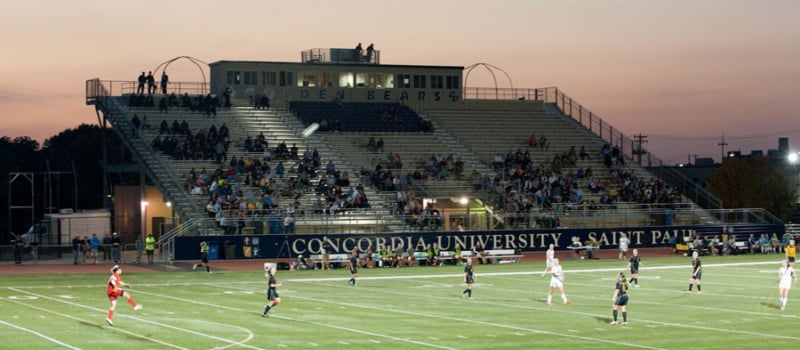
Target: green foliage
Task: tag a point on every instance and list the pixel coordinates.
(753, 183)
(417, 308)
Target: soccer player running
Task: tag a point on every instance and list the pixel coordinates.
(787, 276)
(550, 256)
(697, 273)
(557, 281)
(353, 267)
(469, 279)
(620, 299)
(633, 265)
(273, 299)
(203, 258)
(114, 290)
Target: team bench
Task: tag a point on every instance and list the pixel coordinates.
(503, 256)
(741, 247)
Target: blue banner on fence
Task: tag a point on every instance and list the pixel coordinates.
(292, 245)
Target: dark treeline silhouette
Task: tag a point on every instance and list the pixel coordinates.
(79, 149)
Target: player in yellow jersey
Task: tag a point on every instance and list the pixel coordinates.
(791, 253)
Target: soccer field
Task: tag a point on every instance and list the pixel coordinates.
(418, 307)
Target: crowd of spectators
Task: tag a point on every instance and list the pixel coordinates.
(541, 194)
(251, 189)
(207, 104)
(727, 245)
(181, 143)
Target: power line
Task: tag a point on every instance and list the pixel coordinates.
(742, 137)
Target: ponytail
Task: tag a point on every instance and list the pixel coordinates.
(623, 283)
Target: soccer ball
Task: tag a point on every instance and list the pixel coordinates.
(267, 266)
(310, 130)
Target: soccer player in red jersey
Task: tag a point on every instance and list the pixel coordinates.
(114, 290)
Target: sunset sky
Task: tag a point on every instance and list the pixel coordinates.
(683, 72)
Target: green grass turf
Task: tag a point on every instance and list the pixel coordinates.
(410, 308)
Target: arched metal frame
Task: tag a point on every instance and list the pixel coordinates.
(163, 66)
(491, 69)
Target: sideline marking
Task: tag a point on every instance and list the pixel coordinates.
(485, 323)
(227, 286)
(518, 273)
(231, 342)
(40, 335)
(676, 325)
(135, 335)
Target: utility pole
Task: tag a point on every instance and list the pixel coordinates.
(640, 139)
(722, 144)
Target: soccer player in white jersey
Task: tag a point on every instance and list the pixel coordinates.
(557, 281)
(787, 276)
(551, 255)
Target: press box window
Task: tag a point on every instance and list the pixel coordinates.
(250, 78)
(234, 78)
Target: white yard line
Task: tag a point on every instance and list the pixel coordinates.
(40, 335)
(164, 325)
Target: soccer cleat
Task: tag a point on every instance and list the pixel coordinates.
(463, 296)
(624, 323)
(108, 320)
(549, 303)
(688, 292)
(194, 267)
(783, 308)
(137, 307)
(209, 271)
(265, 315)
(613, 323)
(470, 298)
(637, 286)
(699, 292)
(567, 302)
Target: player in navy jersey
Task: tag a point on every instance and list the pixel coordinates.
(620, 299)
(469, 279)
(353, 267)
(273, 299)
(697, 273)
(633, 265)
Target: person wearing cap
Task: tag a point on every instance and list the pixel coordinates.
(114, 290)
(203, 257)
(273, 299)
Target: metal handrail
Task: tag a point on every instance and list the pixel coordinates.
(575, 214)
(115, 111)
(605, 131)
(102, 88)
(629, 147)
